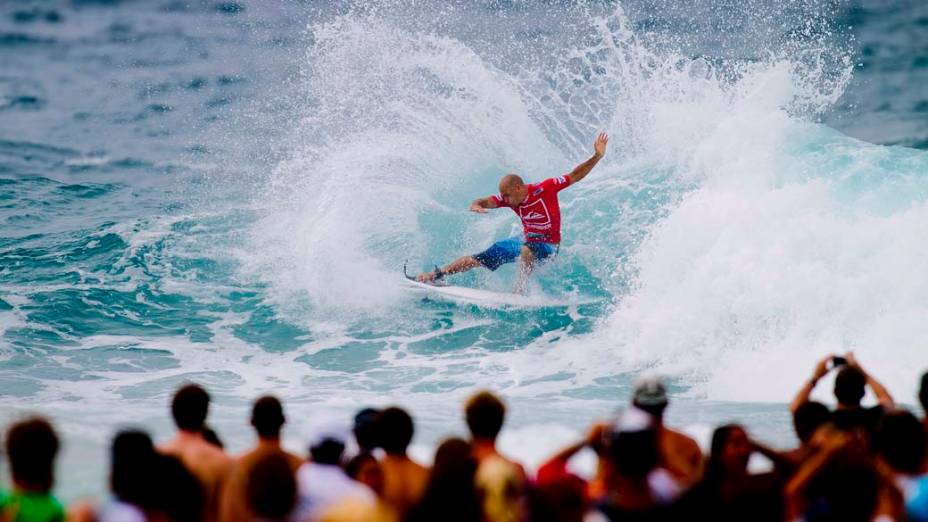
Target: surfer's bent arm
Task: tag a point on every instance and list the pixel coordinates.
(480, 205)
(581, 170)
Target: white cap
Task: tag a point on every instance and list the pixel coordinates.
(650, 391)
(326, 427)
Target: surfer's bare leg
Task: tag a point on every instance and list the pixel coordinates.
(457, 266)
(526, 265)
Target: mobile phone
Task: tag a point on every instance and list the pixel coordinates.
(837, 360)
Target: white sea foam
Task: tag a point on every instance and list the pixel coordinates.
(798, 243)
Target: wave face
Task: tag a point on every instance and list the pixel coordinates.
(239, 208)
(718, 171)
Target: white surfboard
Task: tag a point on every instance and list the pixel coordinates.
(487, 298)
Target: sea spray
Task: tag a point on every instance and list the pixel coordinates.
(708, 186)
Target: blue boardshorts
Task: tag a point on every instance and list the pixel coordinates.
(508, 250)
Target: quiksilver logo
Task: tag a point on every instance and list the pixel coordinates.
(535, 213)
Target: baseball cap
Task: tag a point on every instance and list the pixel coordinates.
(650, 391)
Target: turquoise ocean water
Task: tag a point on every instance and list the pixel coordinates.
(226, 192)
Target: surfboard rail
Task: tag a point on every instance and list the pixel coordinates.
(488, 298)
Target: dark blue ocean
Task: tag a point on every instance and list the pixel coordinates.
(227, 191)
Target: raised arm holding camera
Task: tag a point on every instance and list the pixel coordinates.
(851, 383)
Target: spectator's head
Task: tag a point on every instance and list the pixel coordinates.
(808, 417)
(901, 442)
(559, 500)
(730, 448)
(271, 489)
(210, 436)
(267, 417)
(395, 430)
(450, 493)
(365, 429)
(189, 408)
(132, 464)
(651, 396)
(485, 413)
(326, 439)
(180, 496)
(365, 469)
(328, 451)
(31, 446)
(850, 386)
(454, 460)
(923, 394)
(632, 443)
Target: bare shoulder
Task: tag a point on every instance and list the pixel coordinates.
(216, 456)
(295, 460)
(203, 455)
(411, 466)
(170, 447)
(515, 466)
(406, 467)
(681, 440)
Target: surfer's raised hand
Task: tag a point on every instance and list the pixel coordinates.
(480, 205)
(599, 149)
(600, 144)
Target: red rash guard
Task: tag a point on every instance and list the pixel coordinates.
(540, 212)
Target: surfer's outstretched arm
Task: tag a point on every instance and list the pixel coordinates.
(599, 150)
(480, 205)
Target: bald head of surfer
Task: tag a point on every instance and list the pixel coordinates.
(513, 190)
(537, 206)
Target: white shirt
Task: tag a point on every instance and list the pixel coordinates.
(116, 511)
(321, 486)
(664, 486)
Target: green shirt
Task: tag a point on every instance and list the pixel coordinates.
(30, 507)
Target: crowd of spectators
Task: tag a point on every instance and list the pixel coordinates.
(852, 463)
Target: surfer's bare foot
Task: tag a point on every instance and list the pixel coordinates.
(427, 277)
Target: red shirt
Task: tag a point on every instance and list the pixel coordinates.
(540, 212)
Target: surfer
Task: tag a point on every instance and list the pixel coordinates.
(537, 206)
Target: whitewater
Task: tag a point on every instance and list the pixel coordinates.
(228, 195)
